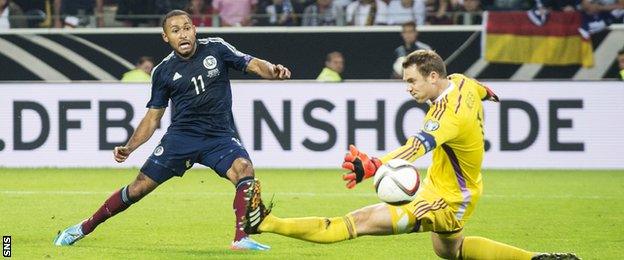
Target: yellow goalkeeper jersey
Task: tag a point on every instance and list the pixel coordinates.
(453, 130)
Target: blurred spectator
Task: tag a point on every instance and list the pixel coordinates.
(201, 12)
(437, 12)
(334, 65)
(260, 17)
(303, 3)
(133, 13)
(620, 59)
(410, 44)
(402, 11)
(109, 10)
(38, 12)
(235, 12)
(342, 4)
(322, 13)
(78, 13)
(538, 14)
(142, 71)
(11, 15)
(469, 12)
(409, 33)
(164, 6)
(366, 12)
(509, 5)
(560, 5)
(599, 14)
(281, 13)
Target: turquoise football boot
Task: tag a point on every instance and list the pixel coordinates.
(69, 236)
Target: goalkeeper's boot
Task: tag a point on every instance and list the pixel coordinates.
(246, 243)
(555, 256)
(69, 236)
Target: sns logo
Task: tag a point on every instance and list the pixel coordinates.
(210, 62)
(6, 246)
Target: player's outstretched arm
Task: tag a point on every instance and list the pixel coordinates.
(268, 70)
(143, 132)
(413, 149)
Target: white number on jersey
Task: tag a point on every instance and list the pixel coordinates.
(201, 80)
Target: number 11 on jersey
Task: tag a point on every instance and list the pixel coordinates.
(201, 80)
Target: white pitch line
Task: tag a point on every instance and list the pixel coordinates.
(295, 194)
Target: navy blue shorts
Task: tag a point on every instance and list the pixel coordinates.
(177, 153)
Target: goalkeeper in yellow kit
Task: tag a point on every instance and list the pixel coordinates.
(453, 130)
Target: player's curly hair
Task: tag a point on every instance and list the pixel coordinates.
(426, 61)
(173, 13)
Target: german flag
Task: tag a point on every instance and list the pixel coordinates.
(511, 37)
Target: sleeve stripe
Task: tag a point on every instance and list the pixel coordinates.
(413, 151)
(461, 84)
(436, 108)
(422, 138)
(400, 155)
(443, 102)
(458, 103)
(226, 44)
(155, 67)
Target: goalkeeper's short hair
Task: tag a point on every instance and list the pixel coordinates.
(426, 61)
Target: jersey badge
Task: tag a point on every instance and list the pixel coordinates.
(210, 62)
(159, 150)
(431, 125)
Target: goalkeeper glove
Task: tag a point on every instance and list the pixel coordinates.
(360, 166)
(491, 96)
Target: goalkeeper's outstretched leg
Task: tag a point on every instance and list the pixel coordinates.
(382, 219)
(371, 220)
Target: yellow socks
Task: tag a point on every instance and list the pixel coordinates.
(331, 230)
(313, 229)
(483, 248)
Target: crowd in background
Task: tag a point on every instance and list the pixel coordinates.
(222, 13)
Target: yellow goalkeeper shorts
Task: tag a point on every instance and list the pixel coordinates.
(428, 212)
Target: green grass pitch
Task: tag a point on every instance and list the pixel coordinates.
(191, 217)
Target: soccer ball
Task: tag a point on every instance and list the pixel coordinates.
(396, 182)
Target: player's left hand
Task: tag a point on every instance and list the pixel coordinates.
(361, 167)
(281, 72)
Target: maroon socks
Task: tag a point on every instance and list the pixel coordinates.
(240, 205)
(116, 203)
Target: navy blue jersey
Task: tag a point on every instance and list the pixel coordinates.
(199, 88)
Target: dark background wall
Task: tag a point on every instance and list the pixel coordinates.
(367, 55)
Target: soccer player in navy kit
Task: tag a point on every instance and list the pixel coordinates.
(195, 78)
